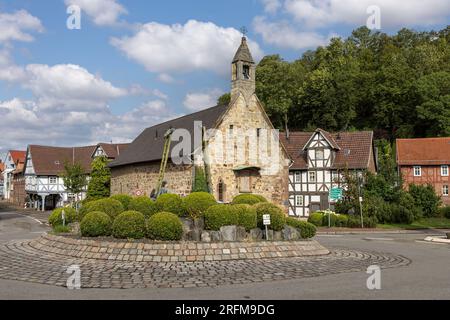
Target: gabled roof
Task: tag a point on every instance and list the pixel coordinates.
(149, 145)
(327, 137)
(2, 167)
(18, 156)
(423, 151)
(50, 160)
(353, 149)
(243, 53)
(112, 151)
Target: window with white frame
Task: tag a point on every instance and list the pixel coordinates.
(298, 201)
(444, 171)
(53, 180)
(417, 171)
(298, 177)
(445, 190)
(312, 176)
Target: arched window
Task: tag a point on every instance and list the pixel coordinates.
(221, 191)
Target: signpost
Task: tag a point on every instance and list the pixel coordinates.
(63, 217)
(334, 195)
(266, 222)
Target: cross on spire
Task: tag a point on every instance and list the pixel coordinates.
(244, 31)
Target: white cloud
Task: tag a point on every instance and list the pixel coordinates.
(283, 35)
(196, 101)
(102, 12)
(271, 6)
(321, 13)
(18, 26)
(180, 48)
(166, 78)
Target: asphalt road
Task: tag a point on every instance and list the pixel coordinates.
(427, 277)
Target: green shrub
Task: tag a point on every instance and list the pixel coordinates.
(197, 203)
(246, 215)
(220, 215)
(333, 218)
(109, 206)
(341, 220)
(354, 221)
(164, 226)
(426, 199)
(129, 224)
(59, 228)
(55, 217)
(445, 212)
(277, 216)
(316, 218)
(307, 230)
(170, 203)
(124, 199)
(96, 224)
(144, 205)
(248, 199)
(401, 214)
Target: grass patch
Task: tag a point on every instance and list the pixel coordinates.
(425, 223)
(61, 229)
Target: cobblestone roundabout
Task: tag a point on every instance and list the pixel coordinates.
(20, 261)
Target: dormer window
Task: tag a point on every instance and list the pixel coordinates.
(246, 72)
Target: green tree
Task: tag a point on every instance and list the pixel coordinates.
(434, 109)
(224, 99)
(74, 178)
(100, 182)
(200, 181)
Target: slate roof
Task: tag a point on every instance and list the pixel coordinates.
(148, 146)
(243, 53)
(353, 149)
(423, 151)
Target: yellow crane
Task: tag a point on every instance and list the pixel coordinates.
(164, 159)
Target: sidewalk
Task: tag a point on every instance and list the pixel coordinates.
(324, 230)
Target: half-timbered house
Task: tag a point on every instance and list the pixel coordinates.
(44, 164)
(318, 160)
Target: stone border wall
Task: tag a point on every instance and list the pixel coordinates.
(175, 251)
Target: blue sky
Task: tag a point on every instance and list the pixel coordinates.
(136, 63)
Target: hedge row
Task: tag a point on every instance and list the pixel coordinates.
(320, 218)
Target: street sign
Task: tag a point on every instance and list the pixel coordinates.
(335, 194)
(266, 219)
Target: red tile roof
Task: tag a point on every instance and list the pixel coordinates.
(424, 151)
(113, 150)
(2, 167)
(353, 149)
(50, 160)
(18, 156)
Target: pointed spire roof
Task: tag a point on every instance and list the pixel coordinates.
(243, 53)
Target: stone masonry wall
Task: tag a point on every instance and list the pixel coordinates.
(271, 184)
(143, 177)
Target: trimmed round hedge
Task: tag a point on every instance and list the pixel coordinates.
(316, 218)
(109, 206)
(197, 203)
(144, 205)
(220, 215)
(164, 226)
(248, 199)
(246, 216)
(170, 203)
(124, 199)
(307, 230)
(333, 219)
(277, 216)
(129, 225)
(55, 218)
(96, 224)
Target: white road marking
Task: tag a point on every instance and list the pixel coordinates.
(23, 215)
(380, 239)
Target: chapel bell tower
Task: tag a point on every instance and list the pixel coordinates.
(243, 72)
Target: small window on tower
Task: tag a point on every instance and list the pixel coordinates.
(246, 72)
